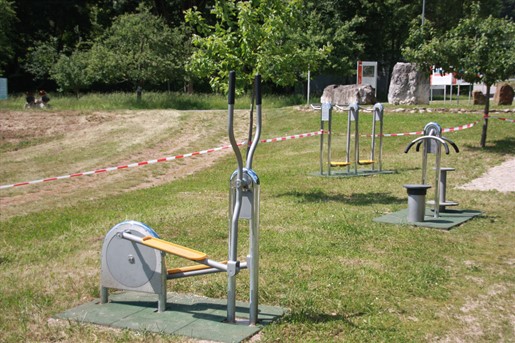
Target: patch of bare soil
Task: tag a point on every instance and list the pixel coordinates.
(42, 144)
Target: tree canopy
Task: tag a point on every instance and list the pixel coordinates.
(280, 39)
(138, 48)
(477, 50)
(271, 37)
(7, 19)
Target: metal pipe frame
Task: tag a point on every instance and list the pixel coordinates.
(248, 182)
(378, 112)
(354, 113)
(439, 143)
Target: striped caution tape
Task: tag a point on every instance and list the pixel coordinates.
(503, 119)
(302, 135)
(417, 133)
(159, 160)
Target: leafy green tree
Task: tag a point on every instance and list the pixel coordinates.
(270, 37)
(41, 58)
(139, 48)
(7, 19)
(72, 73)
(478, 50)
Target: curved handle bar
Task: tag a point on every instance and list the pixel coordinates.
(438, 139)
(255, 141)
(230, 125)
(451, 143)
(418, 145)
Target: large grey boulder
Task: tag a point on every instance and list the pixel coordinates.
(408, 86)
(348, 94)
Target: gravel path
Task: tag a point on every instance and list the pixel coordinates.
(500, 178)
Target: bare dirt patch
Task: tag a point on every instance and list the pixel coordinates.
(40, 144)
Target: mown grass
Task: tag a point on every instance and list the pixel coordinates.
(149, 100)
(341, 276)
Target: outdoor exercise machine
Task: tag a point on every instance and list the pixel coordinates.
(133, 255)
(352, 116)
(432, 142)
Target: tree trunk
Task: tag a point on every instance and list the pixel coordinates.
(485, 116)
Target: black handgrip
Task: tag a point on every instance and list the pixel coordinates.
(257, 87)
(232, 86)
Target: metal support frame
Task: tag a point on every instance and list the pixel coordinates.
(129, 263)
(433, 141)
(352, 116)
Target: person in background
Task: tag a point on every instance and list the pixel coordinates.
(30, 99)
(44, 97)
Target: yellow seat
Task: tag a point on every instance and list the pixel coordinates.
(340, 164)
(174, 249)
(364, 162)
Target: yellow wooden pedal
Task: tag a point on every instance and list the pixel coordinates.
(189, 268)
(340, 164)
(364, 162)
(174, 249)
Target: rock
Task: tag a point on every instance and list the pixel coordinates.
(349, 94)
(503, 94)
(408, 86)
(478, 98)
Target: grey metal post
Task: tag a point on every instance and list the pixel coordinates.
(233, 230)
(253, 257)
(379, 112)
(354, 113)
(161, 302)
(254, 220)
(326, 115)
(347, 146)
(436, 212)
(373, 144)
(329, 138)
(321, 147)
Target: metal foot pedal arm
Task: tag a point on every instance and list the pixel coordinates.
(181, 272)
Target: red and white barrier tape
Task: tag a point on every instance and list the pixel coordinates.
(302, 135)
(417, 133)
(503, 119)
(159, 160)
(461, 127)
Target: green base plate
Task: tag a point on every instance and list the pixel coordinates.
(185, 315)
(445, 221)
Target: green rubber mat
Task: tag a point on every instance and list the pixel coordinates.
(362, 172)
(446, 220)
(185, 315)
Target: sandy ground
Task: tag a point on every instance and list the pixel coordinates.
(500, 178)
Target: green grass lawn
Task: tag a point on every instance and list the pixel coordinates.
(341, 276)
